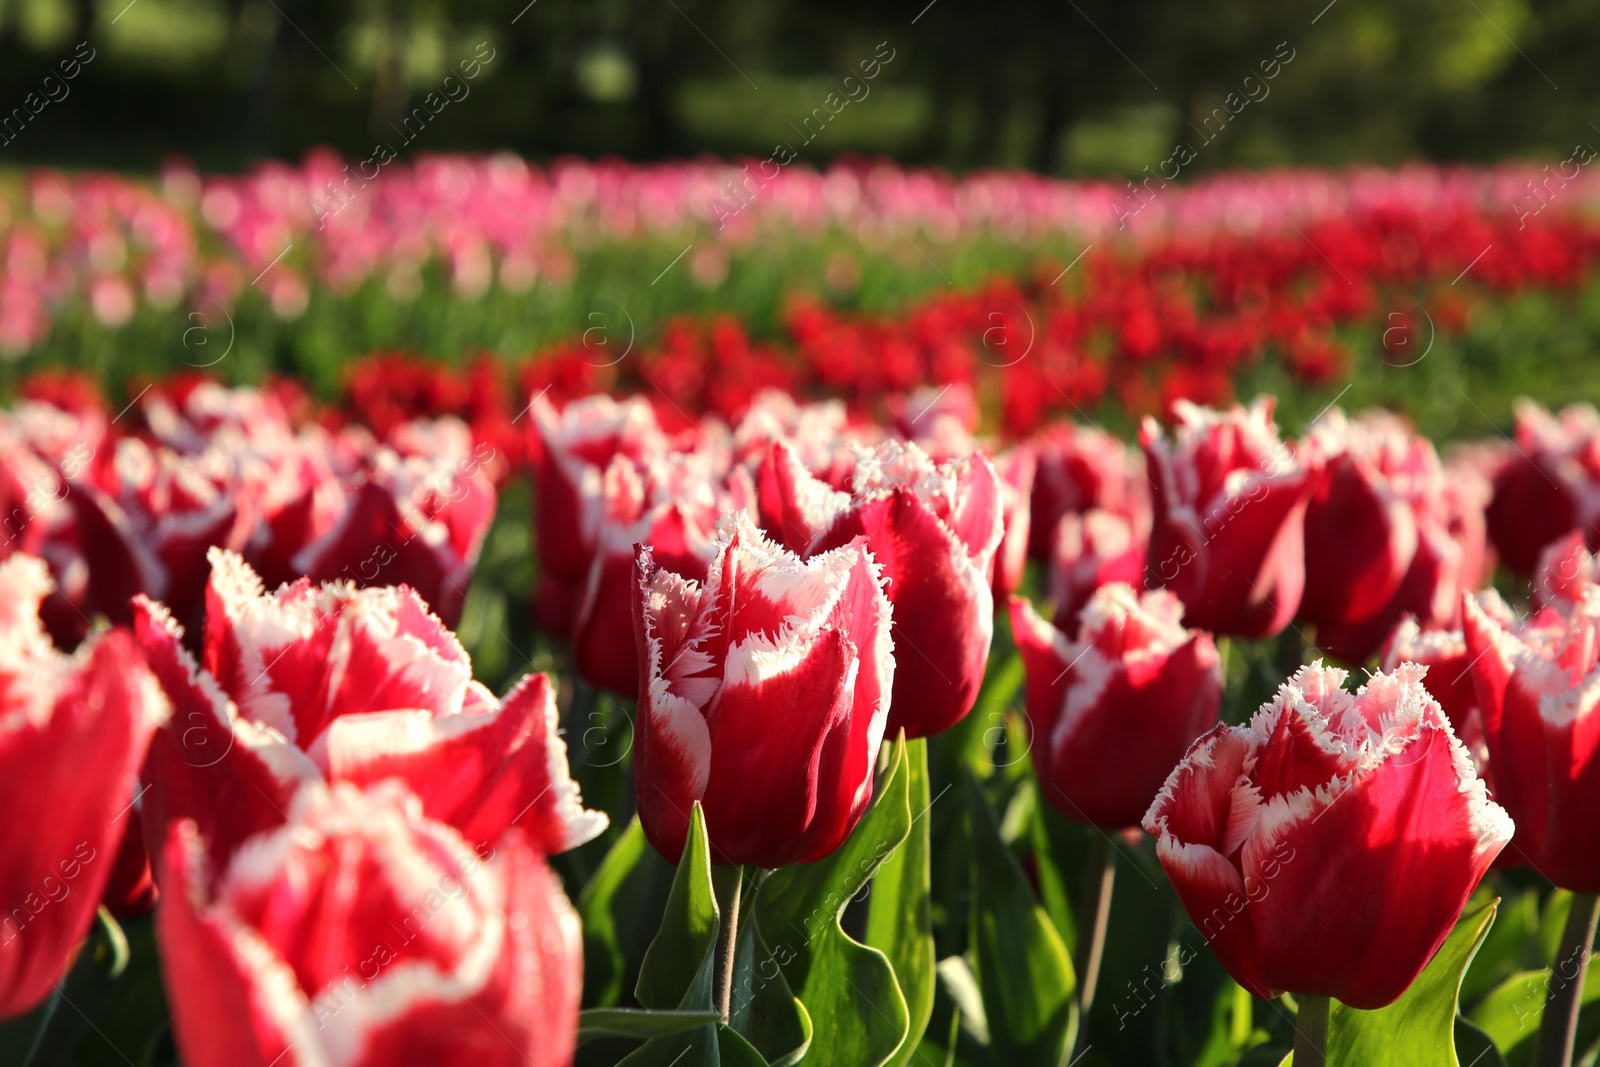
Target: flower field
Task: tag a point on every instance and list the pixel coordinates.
(685, 614)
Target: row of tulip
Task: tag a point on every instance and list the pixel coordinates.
(1138, 295)
(350, 840)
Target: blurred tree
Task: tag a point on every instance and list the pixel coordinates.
(1084, 86)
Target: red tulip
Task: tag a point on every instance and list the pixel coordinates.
(571, 451)
(1111, 712)
(934, 531)
(1016, 469)
(417, 513)
(1566, 568)
(1328, 846)
(334, 683)
(1545, 749)
(1094, 549)
(1449, 681)
(764, 697)
(1550, 485)
(1082, 467)
(1361, 531)
(1495, 637)
(819, 434)
(146, 516)
(43, 449)
(671, 504)
(364, 933)
(73, 731)
(1451, 553)
(1229, 504)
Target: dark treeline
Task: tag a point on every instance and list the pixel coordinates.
(1083, 86)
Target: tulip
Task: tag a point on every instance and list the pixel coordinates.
(362, 932)
(1445, 654)
(764, 695)
(1082, 467)
(1229, 508)
(1326, 847)
(1361, 533)
(934, 531)
(571, 452)
(418, 511)
(1016, 469)
(1546, 750)
(146, 516)
(672, 505)
(1094, 549)
(1443, 510)
(1550, 485)
(1112, 711)
(73, 731)
(334, 683)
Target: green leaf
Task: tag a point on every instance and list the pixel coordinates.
(1023, 968)
(856, 1006)
(1511, 946)
(639, 1022)
(1510, 1013)
(971, 742)
(1475, 1047)
(1052, 882)
(66, 1019)
(762, 1008)
(688, 934)
(1418, 1029)
(626, 891)
(899, 919)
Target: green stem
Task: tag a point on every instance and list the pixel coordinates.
(728, 881)
(1100, 874)
(1559, 1028)
(1311, 1031)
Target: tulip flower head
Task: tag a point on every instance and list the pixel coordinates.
(363, 933)
(764, 695)
(73, 731)
(934, 530)
(333, 683)
(1545, 749)
(1112, 711)
(1229, 502)
(1327, 846)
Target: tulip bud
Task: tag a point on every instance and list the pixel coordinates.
(764, 695)
(1110, 713)
(362, 932)
(1327, 846)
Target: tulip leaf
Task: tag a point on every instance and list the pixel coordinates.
(66, 1019)
(687, 938)
(1023, 969)
(1419, 1028)
(849, 989)
(640, 1022)
(625, 892)
(1510, 1013)
(899, 919)
(762, 1008)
